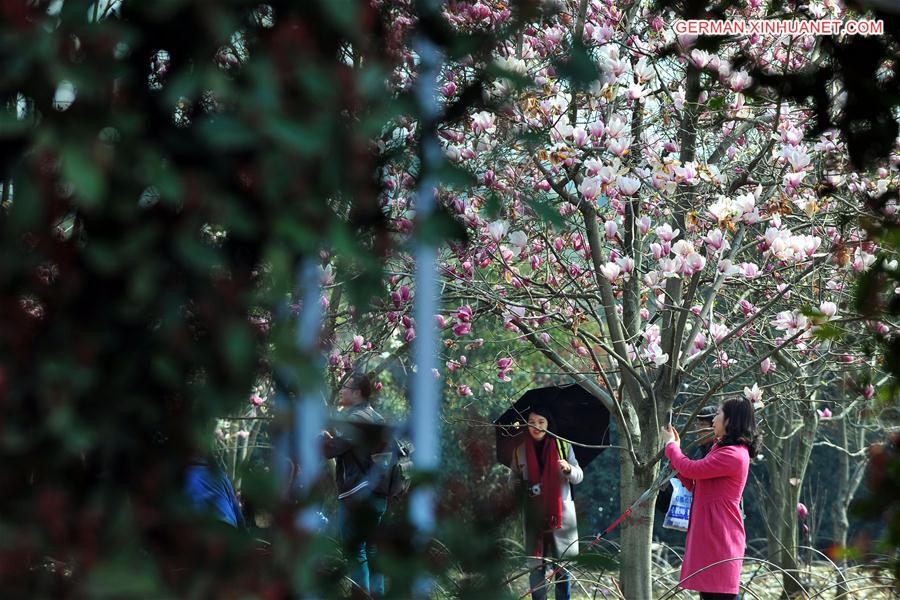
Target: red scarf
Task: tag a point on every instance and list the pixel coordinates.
(551, 489)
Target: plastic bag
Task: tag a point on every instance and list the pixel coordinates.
(679, 513)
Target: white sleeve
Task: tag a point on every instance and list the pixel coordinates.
(577, 473)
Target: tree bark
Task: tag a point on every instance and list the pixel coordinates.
(850, 471)
(637, 532)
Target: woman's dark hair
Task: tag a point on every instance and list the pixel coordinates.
(361, 382)
(740, 426)
(540, 410)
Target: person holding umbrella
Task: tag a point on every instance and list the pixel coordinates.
(547, 468)
(714, 549)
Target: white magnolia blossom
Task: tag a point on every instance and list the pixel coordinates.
(611, 271)
(497, 230)
(753, 394)
(628, 185)
(518, 239)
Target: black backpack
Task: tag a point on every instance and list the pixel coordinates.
(393, 468)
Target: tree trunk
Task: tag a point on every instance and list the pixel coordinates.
(850, 473)
(637, 530)
(777, 483)
(840, 524)
(789, 552)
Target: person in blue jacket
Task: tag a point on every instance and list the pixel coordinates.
(209, 490)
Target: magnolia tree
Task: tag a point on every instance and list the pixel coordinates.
(660, 229)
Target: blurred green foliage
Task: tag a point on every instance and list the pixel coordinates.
(164, 168)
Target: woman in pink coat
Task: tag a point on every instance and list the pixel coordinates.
(716, 530)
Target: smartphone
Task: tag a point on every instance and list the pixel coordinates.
(669, 418)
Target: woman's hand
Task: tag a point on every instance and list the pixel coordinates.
(565, 467)
(670, 434)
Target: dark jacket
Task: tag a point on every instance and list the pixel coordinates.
(352, 447)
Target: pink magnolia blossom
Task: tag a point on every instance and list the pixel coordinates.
(700, 58)
(644, 224)
(448, 89)
(718, 331)
(687, 174)
(747, 308)
(483, 122)
(749, 270)
(715, 240)
(694, 263)
(626, 263)
(464, 390)
(256, 400)
(579, 137)
(461, 329)
(722, 361)
(666, 233)
(700, 341)
(726, 268)
(611, 229)
(488, 387)
(829, 309)
(590, 188)
(618, 147)
(464, 313)
(617, 126)
(802, 511)
(824, 413)
(358, 342)
(740, 81)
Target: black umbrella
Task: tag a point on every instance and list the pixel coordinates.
(579, 417)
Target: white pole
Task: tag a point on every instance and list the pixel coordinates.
(296, 444)
(425, 393)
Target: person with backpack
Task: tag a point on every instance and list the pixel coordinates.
(360, 507)
(546, 468)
